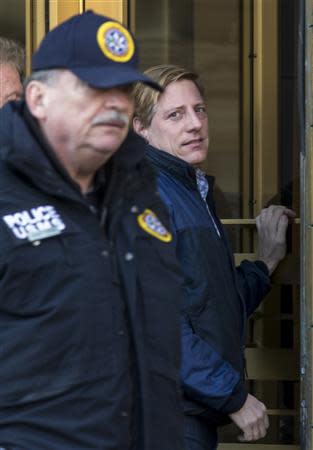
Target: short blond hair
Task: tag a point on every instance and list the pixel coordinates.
(12, 52)
(146, 99)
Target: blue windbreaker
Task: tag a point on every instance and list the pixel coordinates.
(217, 296)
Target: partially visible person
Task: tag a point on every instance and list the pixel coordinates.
(12, 66)
(90, 288)
(218, 297)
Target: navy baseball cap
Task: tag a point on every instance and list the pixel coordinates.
(97, 49)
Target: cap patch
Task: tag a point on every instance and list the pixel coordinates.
(149, 222)
(115, 42)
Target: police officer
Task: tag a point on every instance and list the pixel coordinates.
(89, 286)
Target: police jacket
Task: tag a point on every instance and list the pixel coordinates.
(89, 322)
(217, 297)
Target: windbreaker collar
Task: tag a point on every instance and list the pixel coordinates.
(25, 148)
(175, 167)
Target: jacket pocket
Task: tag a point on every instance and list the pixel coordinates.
(165, 409)
(55, 322)
(160, 286)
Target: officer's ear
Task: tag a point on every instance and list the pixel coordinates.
(35, 96)
(139, 128)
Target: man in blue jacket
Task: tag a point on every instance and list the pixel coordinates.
(89, 341)
(218, 297)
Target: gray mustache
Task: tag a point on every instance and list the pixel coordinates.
(111, 116)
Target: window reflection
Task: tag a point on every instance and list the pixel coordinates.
(12, 20)
(220, 39)
(203, 35)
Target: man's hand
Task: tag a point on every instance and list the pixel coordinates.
(252, 419)
(272, 225)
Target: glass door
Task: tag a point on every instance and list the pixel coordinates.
(43, 15)
(12, 20)
(245, 51)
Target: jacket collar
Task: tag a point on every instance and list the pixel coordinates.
(175, 167)
(26, 150)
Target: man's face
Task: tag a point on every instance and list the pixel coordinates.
(180, 124)
(84, 126)
(10, 84)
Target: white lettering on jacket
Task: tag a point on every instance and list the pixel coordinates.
(42, 221)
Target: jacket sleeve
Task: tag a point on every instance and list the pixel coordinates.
(253, 282)
(206, 377)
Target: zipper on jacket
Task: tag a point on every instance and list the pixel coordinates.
(245, 364)
(203, 189)
(104, 213)
(212, 219)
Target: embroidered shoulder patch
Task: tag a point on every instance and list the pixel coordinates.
(149, 222)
